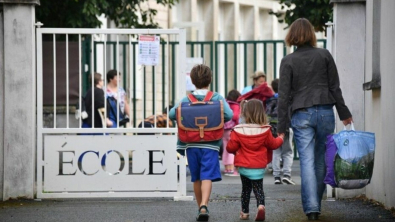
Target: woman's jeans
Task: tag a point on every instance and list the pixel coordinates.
(311, 126)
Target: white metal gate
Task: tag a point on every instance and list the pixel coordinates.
(117, 162)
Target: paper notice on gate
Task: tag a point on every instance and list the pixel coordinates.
(148, 50)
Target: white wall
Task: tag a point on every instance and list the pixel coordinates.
(246, 22)
(349, 20)
(206, 14)
(226, 21)
(235, 19)
(19, 89)
(363, 48)
(380, 103)
(265, 25)
(1, 101)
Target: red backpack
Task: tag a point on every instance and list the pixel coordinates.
(200, 121)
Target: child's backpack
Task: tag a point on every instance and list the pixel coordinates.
(271, 107)
(271, 111)
(231, 123)
(200, 121)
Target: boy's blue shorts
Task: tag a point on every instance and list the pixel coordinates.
(203, 164)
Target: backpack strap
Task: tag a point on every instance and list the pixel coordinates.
(208, 96)
(192, 98)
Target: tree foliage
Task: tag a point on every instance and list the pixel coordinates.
(85, 13)
(318, 12)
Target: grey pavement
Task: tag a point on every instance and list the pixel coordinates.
(282, 204)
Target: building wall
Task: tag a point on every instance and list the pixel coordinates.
(205, 14)
(364, 33)
(380, 104)
(349, 20)
(1, 100)
(230, 19)
(233, 20)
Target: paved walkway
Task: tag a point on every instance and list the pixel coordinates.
(282, 203)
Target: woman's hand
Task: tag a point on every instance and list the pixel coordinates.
(347, 121)
(282, 135)
(108, 122)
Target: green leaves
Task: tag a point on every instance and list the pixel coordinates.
(318, 12)
(85, 13)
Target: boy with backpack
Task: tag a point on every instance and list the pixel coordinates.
(285, 152)
(202, 156)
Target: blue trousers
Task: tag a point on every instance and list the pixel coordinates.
(311, 126)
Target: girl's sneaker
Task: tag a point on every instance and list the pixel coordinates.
(234, 174)
(260, 215)
(229, 173)
(244, 216)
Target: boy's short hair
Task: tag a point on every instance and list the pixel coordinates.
(233, 95)
(301, 33)
(201, 76)
(111, 74)
(275, 85)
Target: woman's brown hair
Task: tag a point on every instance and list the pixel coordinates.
(301, 33)
(96, 78)
(252, 111)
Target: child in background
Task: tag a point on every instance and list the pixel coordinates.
(285, 152)
(228, 158)
(253, 145)
(202, 156)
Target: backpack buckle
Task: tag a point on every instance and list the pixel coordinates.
(201, 122)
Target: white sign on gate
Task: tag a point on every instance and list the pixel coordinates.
(148, 50)
(105, 163)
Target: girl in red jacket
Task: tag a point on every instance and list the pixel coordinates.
(253, 144)
(228, 158)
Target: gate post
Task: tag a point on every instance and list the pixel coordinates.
(18, 73)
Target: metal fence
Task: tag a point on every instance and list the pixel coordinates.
(232, 62)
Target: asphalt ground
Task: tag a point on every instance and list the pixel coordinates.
(283, 203)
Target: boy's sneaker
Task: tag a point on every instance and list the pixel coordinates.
(277, 180)
(287, 179)
(203, 214)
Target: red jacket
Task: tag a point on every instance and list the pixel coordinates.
(252, 145)
(235, 107)
(262, 92)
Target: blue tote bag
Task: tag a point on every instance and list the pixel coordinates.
(354, 159)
